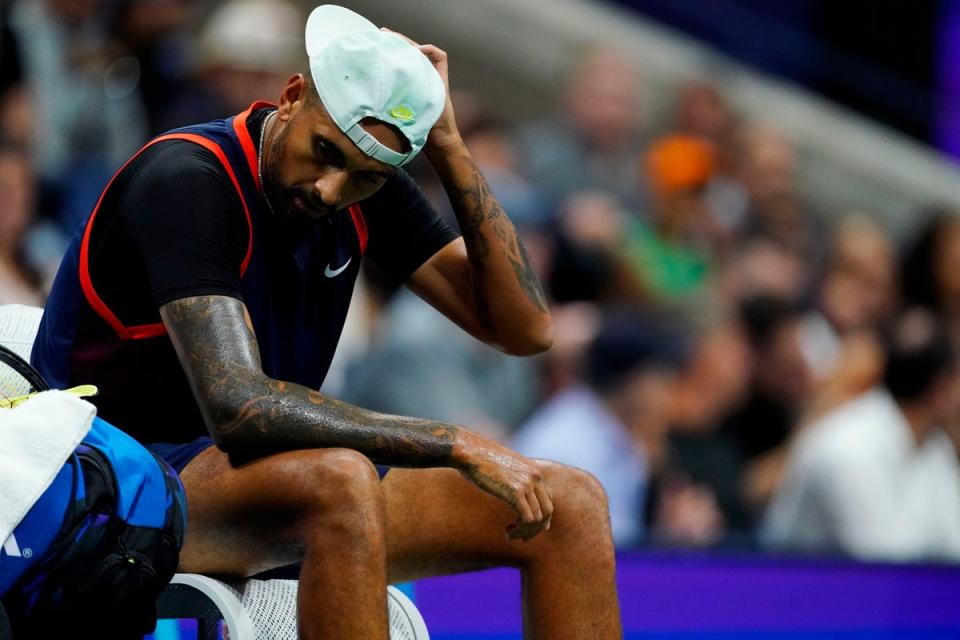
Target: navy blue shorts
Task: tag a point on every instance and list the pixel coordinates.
(179, 456)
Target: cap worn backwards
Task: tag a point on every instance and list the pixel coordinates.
(362, 72)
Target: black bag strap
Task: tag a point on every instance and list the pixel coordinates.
(5, 632)
(24, 368)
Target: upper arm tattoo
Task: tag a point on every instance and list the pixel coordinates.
(478, 205)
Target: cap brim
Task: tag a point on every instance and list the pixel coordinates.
(328, 22)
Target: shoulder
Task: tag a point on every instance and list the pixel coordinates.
(175, 188)
(175, 160)
(175, 174)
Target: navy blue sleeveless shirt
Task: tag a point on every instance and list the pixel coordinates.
(137, 252)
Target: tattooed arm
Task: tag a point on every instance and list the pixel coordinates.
(484, 281)
(250, 415)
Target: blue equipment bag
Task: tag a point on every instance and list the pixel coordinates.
(115, 549)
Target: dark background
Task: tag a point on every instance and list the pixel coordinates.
(883, 58)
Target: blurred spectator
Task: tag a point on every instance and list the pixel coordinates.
(860, 287)
(420, 363)
(717, 377)
(931, 275)
(86, 109)
(575, 325)
(766, 166)
(878, 477)
(245, 52)
(15, 113)
(586, 263)
(696, 498)
(11, 72)
(781, 386)
(858, 292)
(614, 425)
(671, 253)
(764, 267)
(19, 283)
(591, 145)
(703, 111)
(153, 32)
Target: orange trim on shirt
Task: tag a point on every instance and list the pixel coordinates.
(360, 223)
(246, 142)
(139, 332)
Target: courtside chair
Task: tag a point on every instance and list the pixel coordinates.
(249, 609)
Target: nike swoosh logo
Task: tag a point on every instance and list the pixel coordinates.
(333, 273)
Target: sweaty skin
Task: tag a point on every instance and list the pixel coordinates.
(298, 484)
(490, 289)
(250, 415)
(475, 207)
(487, 283)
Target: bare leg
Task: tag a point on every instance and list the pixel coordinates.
(438, 523)
(322, 505)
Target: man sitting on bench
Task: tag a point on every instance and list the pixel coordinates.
(206, 296)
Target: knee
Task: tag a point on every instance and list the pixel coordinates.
(342, 482)
(579, 499)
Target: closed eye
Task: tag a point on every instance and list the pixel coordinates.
(327, 153)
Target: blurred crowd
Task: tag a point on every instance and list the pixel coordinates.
(738, 369)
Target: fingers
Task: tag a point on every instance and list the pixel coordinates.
(546, 502)
(534, 501)
(540, 503)
(523, 509)
(434, 53)
(516, 480)
(524, 531)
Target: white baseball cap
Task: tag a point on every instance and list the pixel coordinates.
(363, 72)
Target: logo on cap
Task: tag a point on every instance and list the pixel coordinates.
(402, 112)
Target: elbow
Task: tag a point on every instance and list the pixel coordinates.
(219, 426)
(232, 438)
(536, 338)
(234, 417)
(225, 442)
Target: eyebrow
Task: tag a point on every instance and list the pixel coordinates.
(339, 157)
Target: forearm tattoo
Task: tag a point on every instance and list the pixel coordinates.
(475, 206)
(251, 415)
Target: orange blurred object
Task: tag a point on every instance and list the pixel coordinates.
(677, 163)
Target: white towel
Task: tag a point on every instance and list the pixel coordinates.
(36, 439)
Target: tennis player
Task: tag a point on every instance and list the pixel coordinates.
(206, 294)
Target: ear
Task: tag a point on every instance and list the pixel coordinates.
(293, 96)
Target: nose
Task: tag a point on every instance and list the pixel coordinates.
(329, 187)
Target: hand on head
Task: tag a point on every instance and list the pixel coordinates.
(445, 135)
